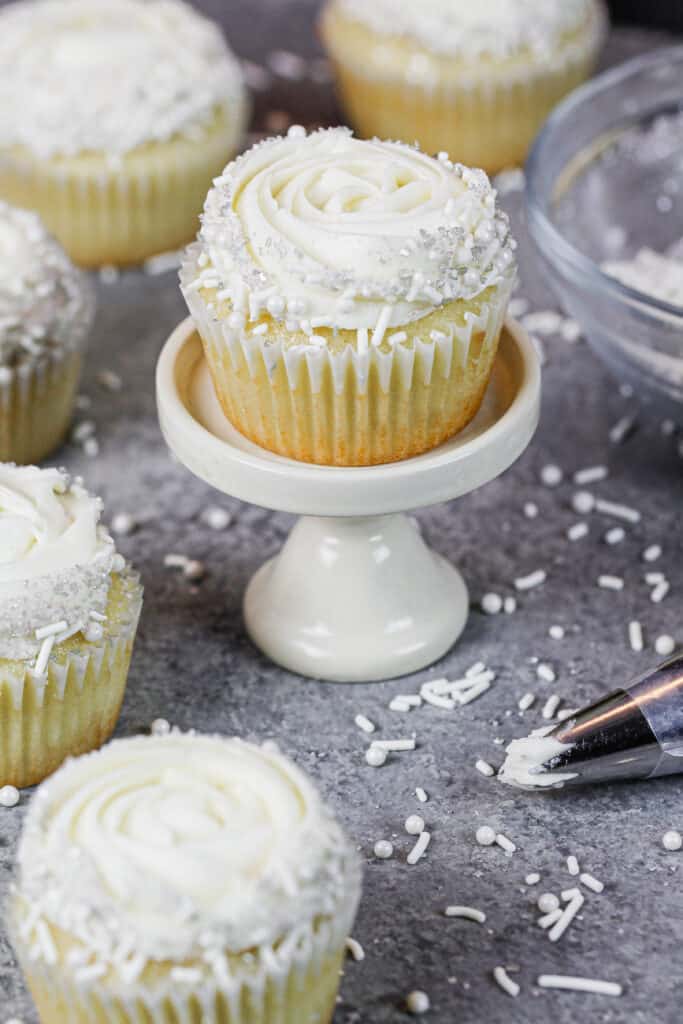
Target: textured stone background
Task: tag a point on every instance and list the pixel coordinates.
(194, 666)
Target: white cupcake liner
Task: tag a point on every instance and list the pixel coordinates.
(292, 982)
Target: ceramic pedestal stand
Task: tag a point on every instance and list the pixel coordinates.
(355, 594)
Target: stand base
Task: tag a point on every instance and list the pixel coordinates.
(356, 600)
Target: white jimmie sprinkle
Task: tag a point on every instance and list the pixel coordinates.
(390, 746)
(606, 582)
(44, 653)
(355, 949)
(525, 702)
(546, 672)
(52, 629)
(590, 475)
(534, 579)
(622, 429)
(577, 531)
(533, 878)
(550, 707)
(468, 913)
(504, 981)
(660, 592)
(652, 553)
(569, 984)
(591, 883)
(421, 795)
(484, 768)
(611, 508)
(420, 848)
(364, 724)
(568, 914)
(505, 844)
(573, 865)
(635, 636)
(615, 536)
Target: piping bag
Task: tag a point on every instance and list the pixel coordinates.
(633, 733)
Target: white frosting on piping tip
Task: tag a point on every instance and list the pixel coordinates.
(330, 231)
(46, 305)
(182, 847)
(129, 72)
(474, 28)
(55, 558)
(523, 765)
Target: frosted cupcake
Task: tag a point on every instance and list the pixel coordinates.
(69, 609)
(116, 117)
(46, 311)
(350, 296)
(182, 878)
(475, 77)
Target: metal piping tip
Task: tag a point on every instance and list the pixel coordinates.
(634, 733)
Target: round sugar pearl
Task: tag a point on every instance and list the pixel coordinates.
(672, 841)
(414, 825)
(384, 849)
(417, 1003)
(548, 902)
(375, 757)
(485, 835)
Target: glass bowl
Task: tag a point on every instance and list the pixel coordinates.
(605, 180)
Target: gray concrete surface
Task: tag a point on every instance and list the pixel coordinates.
(194, 666)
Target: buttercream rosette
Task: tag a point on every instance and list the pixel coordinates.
(350, 295)
(184, 878)
(69, 608)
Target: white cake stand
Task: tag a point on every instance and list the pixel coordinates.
(355, 594)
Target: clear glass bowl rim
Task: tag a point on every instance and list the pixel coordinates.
(590, 274)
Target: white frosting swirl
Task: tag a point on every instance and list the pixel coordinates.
(129, 72)
(473, 28)
(330, 230)
(45, 303)
(181, 847)
(55, 559)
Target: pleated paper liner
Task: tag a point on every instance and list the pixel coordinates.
(486, 115)
(36, 405)
(123, 210)
(73, 708)
(342, 407)
(293, 982)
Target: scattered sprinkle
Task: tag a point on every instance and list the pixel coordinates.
(583, 503)
(543, 322)
(504, 981)
(393, 745)
(505, 844)
(484, 768)
(672, 841)
(123, 524)
(491, 604)
(468, 913)
(551, 476)
(622, 429)
(421, 795)
(590, 475)
(573, 865)
(217, 518)
(533, 878)
(591, 883)
(550, 707)
(556, 632)
(414, 825)
(509, 605)
(546, 672)
(568, 914)
(485, 835)
(9, 796)
(534, 579)
(417, 1003)
(364, 724)
(615, 536)
(665, 645)
(652, 553)
(531, 510)
(383, 849)
(420, 848)
(355, 949)
(617, 511)
(525, 702)
(548, 902)
(577, 531)
(569, 984)
(610, 582)
(160, 727)
(375, 757)
(660, 592)
(635, 636)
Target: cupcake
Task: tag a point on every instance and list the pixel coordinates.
(69, 609)
(475, 77)
(116, 117)
(46, 311)
(182, 878)
(350, 296)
